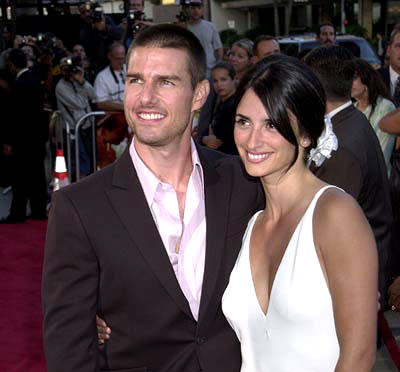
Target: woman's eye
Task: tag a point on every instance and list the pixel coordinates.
(269, 124)
(241, 122)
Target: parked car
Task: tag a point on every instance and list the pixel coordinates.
(358, 45)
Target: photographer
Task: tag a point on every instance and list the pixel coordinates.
(134, 21)
(74, 94)
(97, 34)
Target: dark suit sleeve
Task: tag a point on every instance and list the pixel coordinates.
(342, 170)
(69, 292)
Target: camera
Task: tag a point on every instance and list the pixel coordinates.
(95, 10)
(183, 16)
(71, 64)
(132, 17)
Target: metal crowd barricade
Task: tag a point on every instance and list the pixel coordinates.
(78, 126)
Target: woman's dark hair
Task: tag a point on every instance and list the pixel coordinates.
(286, 86)
(372, 80)
(226, 66)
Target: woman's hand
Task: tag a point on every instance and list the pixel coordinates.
(212, 142)
(103, 332)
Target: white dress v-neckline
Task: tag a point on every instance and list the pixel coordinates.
(297, 333)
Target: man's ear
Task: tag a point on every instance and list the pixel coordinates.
(201, 93)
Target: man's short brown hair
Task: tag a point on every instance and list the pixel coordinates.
(175, 37)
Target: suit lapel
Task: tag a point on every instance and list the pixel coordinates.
(216, 207)
(130, 204)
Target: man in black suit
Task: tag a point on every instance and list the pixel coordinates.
(26, 132)
(391, 77)
(358, 165)
(119, 241)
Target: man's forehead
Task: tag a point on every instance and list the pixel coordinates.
(164, 59)
(327, 29)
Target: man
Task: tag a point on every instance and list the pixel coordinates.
(391, 77)
(264, 46)
(206, 32)
(109, 84)
(134, 21)
(74, 95)
(97, 33)
(391, 73)
(327, 34)
(26, 133)
(209, 38)
(150, 241)
(358, 165)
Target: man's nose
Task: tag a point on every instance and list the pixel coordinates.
(148, 95)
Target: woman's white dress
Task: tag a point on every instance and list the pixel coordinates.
(297, 334)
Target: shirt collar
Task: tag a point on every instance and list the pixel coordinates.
(21, 72)
(149, 180)
(393, 76)
(332, 113)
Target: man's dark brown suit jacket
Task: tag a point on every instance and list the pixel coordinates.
(358, 167)
(104, 255)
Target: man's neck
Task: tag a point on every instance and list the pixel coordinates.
(172, 166)
(333, 105)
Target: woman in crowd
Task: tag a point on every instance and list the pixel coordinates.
(240, 56)
(297, 259)
(372, 99)
(220, 135)
(288, 299)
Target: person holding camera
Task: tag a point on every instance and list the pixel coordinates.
(74, 94)
(97, 34)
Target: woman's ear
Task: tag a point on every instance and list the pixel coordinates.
(200, 95)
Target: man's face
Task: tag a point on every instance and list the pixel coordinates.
(78, 51)
(267, 47)
(159, 97)
(196, 11)
(117, 58)
(327, 35)
(136, 5)
(394, 53)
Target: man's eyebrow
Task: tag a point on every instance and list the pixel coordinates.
(158, 77)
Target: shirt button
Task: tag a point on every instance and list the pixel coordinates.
(201, 340)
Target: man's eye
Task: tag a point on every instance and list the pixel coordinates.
(167, 82)
(134, 80)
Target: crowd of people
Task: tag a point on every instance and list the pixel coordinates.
(193, 258)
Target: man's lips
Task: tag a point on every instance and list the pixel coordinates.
(150, 116)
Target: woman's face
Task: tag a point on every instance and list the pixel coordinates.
(359, 90)
(223, 84)
(263, 150)
(239, 58)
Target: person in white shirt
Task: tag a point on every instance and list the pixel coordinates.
(109, 84)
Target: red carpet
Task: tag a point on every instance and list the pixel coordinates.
(21, 257)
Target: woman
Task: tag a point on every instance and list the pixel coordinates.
(296, 260)
(240, 56)
(220, 135)
(372, 99)
(302, 294)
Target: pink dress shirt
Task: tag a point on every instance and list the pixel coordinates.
(184, 241)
